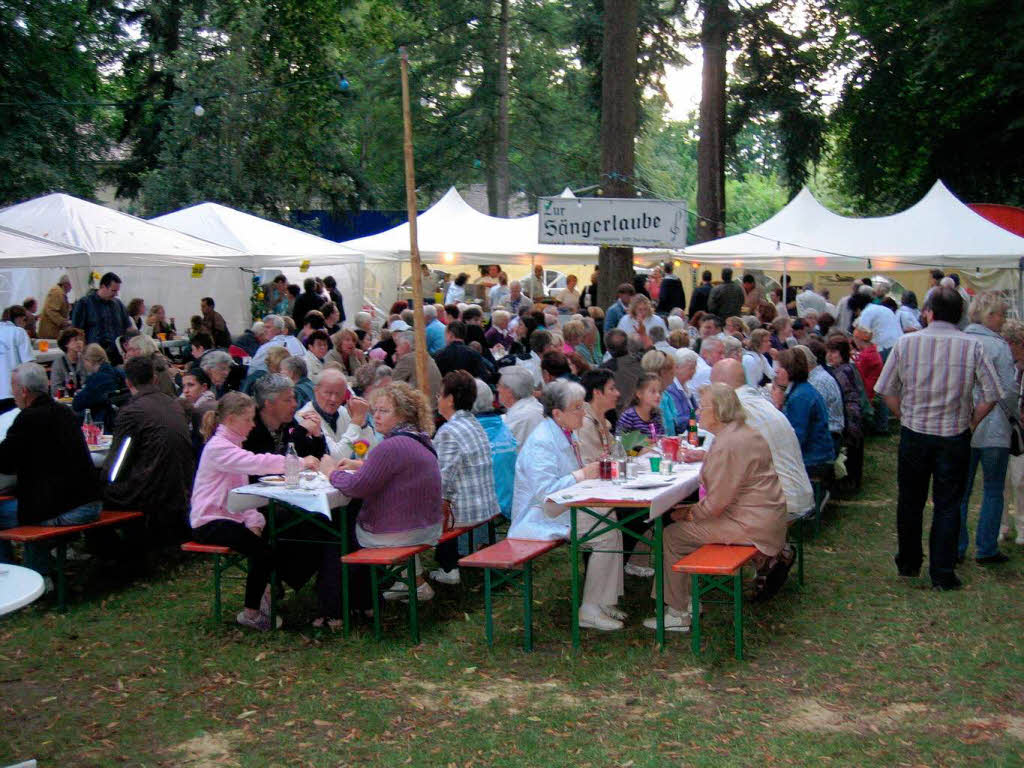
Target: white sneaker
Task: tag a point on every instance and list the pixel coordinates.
(592, 617)
(47, 585)
(641, 571)
(675, 621)
(614, 612)
(424, 592)
(442, 576)
(397, 591)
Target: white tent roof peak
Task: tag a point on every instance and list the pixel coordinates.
(452, 232)
(937, 231)
(267, 243)
(19, 249)
(567, 193)
(111, 238)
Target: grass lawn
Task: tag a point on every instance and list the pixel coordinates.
(859, 668)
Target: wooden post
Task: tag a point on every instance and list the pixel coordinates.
(420, 328)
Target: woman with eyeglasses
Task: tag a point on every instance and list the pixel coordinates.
(548, 462)
(399, 481)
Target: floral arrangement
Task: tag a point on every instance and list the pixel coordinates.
(360, 448)
(256, 297)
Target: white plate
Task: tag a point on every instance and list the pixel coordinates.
(654, 481)
(272, 480)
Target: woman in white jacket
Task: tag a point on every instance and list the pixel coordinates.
(548, 462)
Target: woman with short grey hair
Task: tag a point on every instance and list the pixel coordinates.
(217, 365)
(549, 462)
(990, 443)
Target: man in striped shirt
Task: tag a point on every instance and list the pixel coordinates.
(929, 381)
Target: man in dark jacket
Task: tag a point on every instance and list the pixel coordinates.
(214, 324)
(308, 300)
(155, 476)
(332, 290)
(672, 295)
(699, 300)
(726, 300)
(276, 427)
(456, 356)
(102, 316)
(45, 448)
(624, 363)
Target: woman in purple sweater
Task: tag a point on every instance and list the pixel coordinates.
(399, 481)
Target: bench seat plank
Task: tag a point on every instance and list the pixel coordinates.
(508, 553)
(205, 549)
(383, 555)
(32, 533)
(716, 559)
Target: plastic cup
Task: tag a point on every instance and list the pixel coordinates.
(162, 336)
(44, 346)
(670, 447)
(655, 463)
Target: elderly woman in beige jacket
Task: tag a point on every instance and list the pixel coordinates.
(743, 503)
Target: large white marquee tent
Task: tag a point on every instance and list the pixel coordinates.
(271, 248)
(153, 262)
(938, 231)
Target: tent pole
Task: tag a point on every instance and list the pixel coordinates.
(414, 250)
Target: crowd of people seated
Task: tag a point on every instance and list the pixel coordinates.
(512, 411)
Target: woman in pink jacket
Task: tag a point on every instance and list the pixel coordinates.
(225, 465)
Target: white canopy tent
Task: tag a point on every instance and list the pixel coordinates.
(19, 249)
(153, 262)
(938, 231)
(271, 247)
(452, 232)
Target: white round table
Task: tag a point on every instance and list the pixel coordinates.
(18, 587)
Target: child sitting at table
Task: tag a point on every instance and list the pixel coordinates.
(225, 465)
(643, 414)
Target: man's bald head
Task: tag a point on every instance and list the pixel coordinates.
(728, 371)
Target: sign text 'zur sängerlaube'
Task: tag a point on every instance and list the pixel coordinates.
(612, 221)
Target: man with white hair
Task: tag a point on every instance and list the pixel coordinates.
(515, 297)
(774, 427)
(277, 424)
(252, 338)
(523, 411)
(274, 330)
(434, 330)
(405, 365)
(45, 428)
(712, 349)
(343, 419)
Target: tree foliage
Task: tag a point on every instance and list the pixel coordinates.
(49, 74)
(936, 91)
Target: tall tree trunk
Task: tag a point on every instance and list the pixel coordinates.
(714, 38)
(618, 129)
(501, 150)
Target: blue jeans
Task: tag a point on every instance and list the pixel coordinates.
(37, 556)
(8, 519)
(994, 462)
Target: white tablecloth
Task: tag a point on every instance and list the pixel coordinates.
(18, 587)
(605, 493)
(321, 500)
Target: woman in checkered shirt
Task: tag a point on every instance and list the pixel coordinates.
(467, 471)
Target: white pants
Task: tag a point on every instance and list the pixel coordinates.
(1015, 482)
(603, 584)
